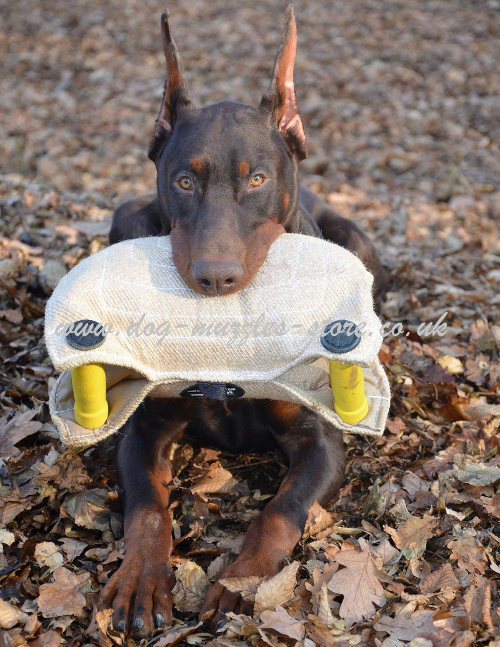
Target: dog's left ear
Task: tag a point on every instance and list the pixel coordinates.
(175, 93)
(279, 101)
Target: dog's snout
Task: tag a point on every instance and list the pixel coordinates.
(217, 277)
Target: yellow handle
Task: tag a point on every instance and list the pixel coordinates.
(348, 387)
(89, 389)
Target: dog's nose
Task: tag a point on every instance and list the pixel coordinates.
(217, 277)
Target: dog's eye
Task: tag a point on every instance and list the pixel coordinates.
(185, 182)
(257, 179)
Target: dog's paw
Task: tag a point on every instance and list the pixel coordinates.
(140, 594)
(219, 601)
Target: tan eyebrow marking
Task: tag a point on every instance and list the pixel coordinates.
(244, 168)
(196, 164)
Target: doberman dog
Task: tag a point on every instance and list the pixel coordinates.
(227, 187)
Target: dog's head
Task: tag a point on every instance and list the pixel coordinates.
(227, 173)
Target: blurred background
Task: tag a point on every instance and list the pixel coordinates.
(396, 95)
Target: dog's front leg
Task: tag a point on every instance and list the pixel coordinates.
(140, 591)
(316, 459)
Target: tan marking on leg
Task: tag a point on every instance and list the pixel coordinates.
(285, 412)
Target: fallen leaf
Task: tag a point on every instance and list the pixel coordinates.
(190, 588)
(411, 537)
(276, 590)
(216, 479)
(324, 610)
(319, 578)
(245, 586)
(48, 639)
(385, 552)
(10, 615)
(62, 597)
(477, 474)
(477, 601)
(89, 509)
(107, 635)
(13, 430)
(358, 583)
(279, 620)
(175, 635)
(72, 547)
(452, 364)
(467, 550)
(46, 554)
(406, 628)
(440, 579)
(317, 520)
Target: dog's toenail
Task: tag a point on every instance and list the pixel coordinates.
(139, 623)
(121, 626)
(159, 621)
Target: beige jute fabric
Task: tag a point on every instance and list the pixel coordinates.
(164, 337)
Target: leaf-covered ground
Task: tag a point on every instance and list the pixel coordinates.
(401, 104)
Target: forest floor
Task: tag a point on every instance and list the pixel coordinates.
(401, 105)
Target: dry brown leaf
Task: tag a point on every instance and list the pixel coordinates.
(440, 579)
(477, 474)
(440, 629)
(72, 548)
(107, 635)
(411, 537)
(89, 509)
(175, 635)
(384, 552)
(10, 615)
(12, 509)
(73, 475)
(413, 484)
(276, 590)
(216, 566)
(319, 632)
(467, 550)
(13, 430)
(324, 610)
(318, 579)
(492, 506)
(216, 479)
(330, 551)
(190, 588)
(279, 620)
(48, 639)
(62, 597)
(245, 586)
(358, 583)
(47, 554)
(317, 520)
(406, 628)
(452, 364)
(477, 601)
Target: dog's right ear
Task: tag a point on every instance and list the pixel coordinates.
(175, 94)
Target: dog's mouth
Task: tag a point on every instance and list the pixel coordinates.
(217, 275)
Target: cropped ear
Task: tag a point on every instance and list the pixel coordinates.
(175, 94)
(279, 101)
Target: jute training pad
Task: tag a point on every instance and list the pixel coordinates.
(166, 337)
